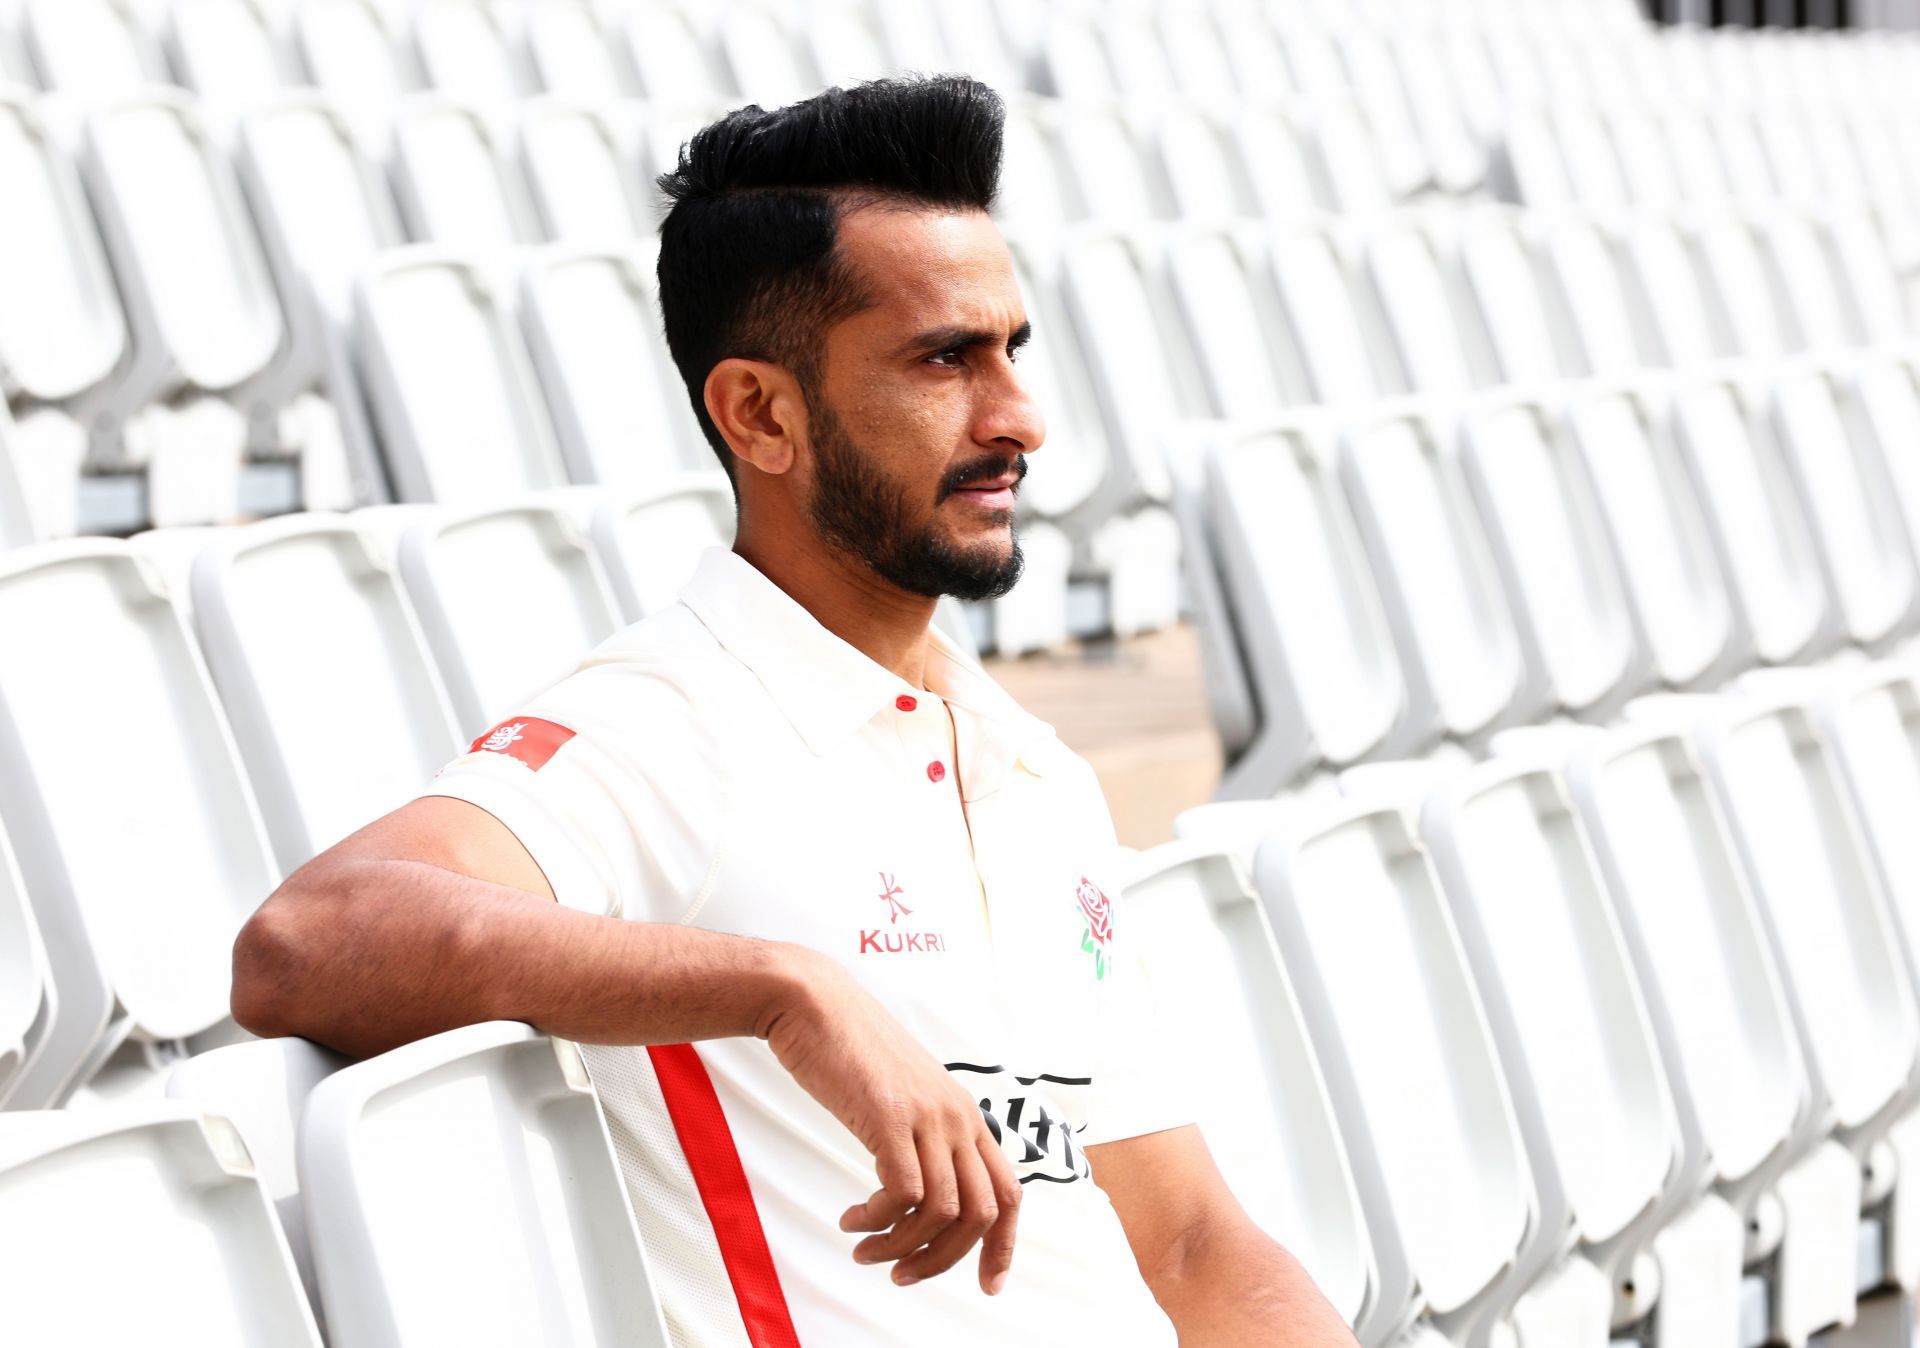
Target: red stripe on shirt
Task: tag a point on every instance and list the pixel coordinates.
(708, 1145)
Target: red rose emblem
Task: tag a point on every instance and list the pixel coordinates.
(1098, 909)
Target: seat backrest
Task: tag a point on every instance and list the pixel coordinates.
(1747, 315)
(1585, 294)
(1140, 391)
(453, 179)
(1561, 993)
(1850, 505)
(88, 48)
(1669, 301)
(261, 1088)
(464, 50)
(1221, 985)
(1497, 272)
(1226, 327)
(1036, 195)
(224, 50)
(1442, 596)
(1409, 1058)
(1203, 174)
(61, 329)
(493, 656)
(1310, 621)
(1869, 282)
(465, 1186)
(1409, 284)
(23, 972)
(1542, 518)
(452, 388)
(847, 45)
(1710, 975)
(1316, 297)
(767, 64)
(1076, 61)
(125, 686)
(309, 637)
(570, 52)
(1115, 180)
(670, 65)
(1836, 939)
(1645, 155)
(1682, 613)
(1279, 173)
(167, 1198)
(189, 265)
(1350, 169)
(577, 160)
(593, 332)
(1813, 299)
(350, 51)
(324, 207)
(651, 542)
(1759, 530)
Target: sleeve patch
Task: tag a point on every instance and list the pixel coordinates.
(526, 738)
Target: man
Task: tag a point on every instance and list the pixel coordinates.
(833, 912)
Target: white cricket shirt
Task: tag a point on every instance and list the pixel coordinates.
(732, 765)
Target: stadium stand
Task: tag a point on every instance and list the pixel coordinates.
(1522, 400)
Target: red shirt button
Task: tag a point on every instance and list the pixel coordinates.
(936, 771)
(905, 703)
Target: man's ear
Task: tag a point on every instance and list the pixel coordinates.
(759, 410)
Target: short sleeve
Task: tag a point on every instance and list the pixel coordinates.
(607, 783)
(1137, 1084)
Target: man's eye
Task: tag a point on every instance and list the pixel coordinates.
(951, 356)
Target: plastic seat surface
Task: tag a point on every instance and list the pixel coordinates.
(463, 1190)
(163, 856)
(651, 543)
(224, 49)
(1218, 973)
(493, 655)
(451, 178)
(1410, 1059)
(308, 636)
(578, 174)
(23, 987)
(168, 1201)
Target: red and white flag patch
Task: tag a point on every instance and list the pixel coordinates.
(526, 738)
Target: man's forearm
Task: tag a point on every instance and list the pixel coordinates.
(386, 952)
(1237, 1288)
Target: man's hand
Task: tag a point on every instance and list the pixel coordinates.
(944, 1182)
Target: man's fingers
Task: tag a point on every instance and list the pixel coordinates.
(979, 1209)
(935, 1213)
(996, 1246)
(897, 1164)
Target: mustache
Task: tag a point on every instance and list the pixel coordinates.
(982, 470)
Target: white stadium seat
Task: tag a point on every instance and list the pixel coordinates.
(454, 177)
(758, 49)
(452, 389)
(1412, 1069)
(1421, 334)
(1319, 304)
(1218, 974)
(145, 782)
(225, 50)
(25, 993)
(260, 1088)
(650, 542)
(325, 676)
(509, 599)
(670, 66)
(619, 407)
(463, 1189)
(349, 49)
(464, 51)
(1459, 651)
(167, 1199)
(1541, 513)
(1566, 1010)
(577, 160)
(89, 48)
(206, 324)
(1319, 656)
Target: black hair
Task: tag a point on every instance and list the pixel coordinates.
(748, 265)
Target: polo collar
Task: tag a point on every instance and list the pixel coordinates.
(826, 688)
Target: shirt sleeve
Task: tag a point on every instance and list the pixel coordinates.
(587, 793)
(1137, 1087)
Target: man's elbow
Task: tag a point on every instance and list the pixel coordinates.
(274, 962)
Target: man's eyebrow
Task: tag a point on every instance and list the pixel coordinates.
(962, 339)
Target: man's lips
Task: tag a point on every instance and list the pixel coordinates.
(995, 494)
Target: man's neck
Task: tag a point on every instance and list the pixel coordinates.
(880, 620)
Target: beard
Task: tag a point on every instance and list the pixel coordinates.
(866, 516)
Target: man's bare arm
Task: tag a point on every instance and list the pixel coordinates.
(1222, 1280)
(435, 917)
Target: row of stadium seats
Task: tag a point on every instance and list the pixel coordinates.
(1612, 1035)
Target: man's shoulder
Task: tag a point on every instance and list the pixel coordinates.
(664, 675)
